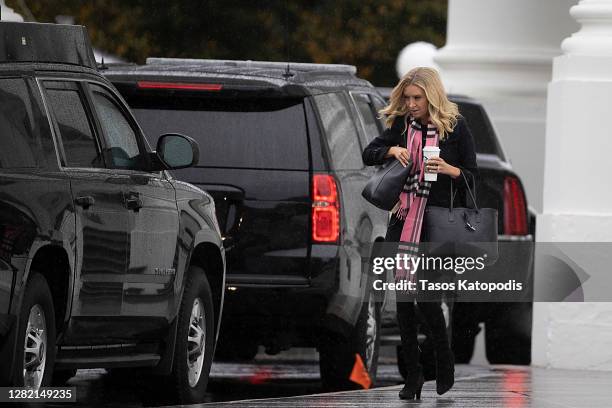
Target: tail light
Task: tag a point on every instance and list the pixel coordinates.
(325, 209)
(515, 208)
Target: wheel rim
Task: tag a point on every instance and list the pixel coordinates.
(196, 342)
(371, 332)
(35, 348)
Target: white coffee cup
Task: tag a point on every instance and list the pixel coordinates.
(428, 153)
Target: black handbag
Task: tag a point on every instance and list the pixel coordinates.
(462, 232)
(384, 187)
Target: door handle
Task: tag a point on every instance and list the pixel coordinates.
(84, 201)
(133, 201)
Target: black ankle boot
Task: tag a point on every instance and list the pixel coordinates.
(445, 371)
(414, 384)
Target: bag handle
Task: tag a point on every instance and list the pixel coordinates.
(472, 194)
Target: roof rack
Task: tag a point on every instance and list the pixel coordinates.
(294, 66)
(41, 42)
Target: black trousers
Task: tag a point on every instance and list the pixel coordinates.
(431, 311)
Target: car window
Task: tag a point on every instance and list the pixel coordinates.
(371, 125)
(80, 147)
(122, 150)
(340, 131)
(257, 133)
(379, 103)
(484, 137)
(23, 142)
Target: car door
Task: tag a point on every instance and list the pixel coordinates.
(153, 219)
(101, 215)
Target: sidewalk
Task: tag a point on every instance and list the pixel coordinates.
(496, 386)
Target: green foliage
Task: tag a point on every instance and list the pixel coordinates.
(365, 33)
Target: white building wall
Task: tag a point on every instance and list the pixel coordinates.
(500, 52)
(8, 14)
(556, 129)
(577, 204)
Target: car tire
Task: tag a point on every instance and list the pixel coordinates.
(229, 351)
(35, 347)
(61, 377)
(466, 326)
(508, 333)
(193, 350)
(337, 353)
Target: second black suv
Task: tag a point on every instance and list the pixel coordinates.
(105, 260)
(281, 155)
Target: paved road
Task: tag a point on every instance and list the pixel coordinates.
(287, 374)
(476, 387)
(292, 380)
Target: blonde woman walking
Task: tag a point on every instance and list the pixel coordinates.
(419, 114)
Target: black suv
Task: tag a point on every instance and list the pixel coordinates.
(507, 324)
(105, 260)
(281, 155)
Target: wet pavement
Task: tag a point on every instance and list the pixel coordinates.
(293, 381)
(287, 374)
(495, 386)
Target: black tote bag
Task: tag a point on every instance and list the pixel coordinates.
(462, 232)
(384, 187)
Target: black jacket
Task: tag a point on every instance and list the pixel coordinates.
(457, 149)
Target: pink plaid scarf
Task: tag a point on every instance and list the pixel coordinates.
(413, 198)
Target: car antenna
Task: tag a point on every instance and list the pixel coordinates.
(101, 65)
(288, 74)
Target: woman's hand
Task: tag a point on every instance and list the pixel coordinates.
(438, 165)
(400, 153)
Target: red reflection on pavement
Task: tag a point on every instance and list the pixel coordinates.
(260, 376)
(514, 385)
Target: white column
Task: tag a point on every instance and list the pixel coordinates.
(577, 205)
(500, 52)
(8, 14)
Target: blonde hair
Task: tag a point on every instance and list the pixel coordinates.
(442, 112)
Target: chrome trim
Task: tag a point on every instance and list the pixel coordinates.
(514, 238)
(48, 116)
(99, 347)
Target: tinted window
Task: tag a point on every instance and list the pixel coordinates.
(340, 131)
(371, 125)
(23, 143)
(237, 133)
(121, 140)
(484, 137)
(80, 147)
(379, 103)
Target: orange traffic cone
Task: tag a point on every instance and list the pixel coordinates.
(360, 374)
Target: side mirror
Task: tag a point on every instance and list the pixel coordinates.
(177, 151)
